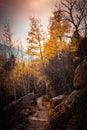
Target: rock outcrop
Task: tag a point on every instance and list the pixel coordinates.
(56, 100)
(14, 116)
(80, 79)
(29, 99)
(71, 113)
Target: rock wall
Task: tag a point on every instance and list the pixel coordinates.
(71, 113)
(80, 79)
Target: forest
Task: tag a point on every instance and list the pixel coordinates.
(44, 87)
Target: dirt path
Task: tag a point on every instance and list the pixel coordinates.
(40, 119)
(39, 102)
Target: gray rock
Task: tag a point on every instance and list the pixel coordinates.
(56, 100)
(29, 99)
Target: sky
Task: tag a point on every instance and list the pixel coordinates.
(20, 11)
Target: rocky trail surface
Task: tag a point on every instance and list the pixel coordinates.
(39, 120)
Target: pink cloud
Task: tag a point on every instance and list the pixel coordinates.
(29, 7)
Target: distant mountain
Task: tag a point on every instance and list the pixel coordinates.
(19, 54)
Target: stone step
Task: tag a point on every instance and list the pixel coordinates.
(37, 125)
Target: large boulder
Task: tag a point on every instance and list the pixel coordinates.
(29, 99)
(56, 100)
(13, 116)
(80, 79)
(72, 114)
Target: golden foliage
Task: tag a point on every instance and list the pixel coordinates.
(35, 39)
(51, 112)
(51, 49)
(57, 42)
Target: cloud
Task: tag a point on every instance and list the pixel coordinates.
(28, 7)
(25, 8)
